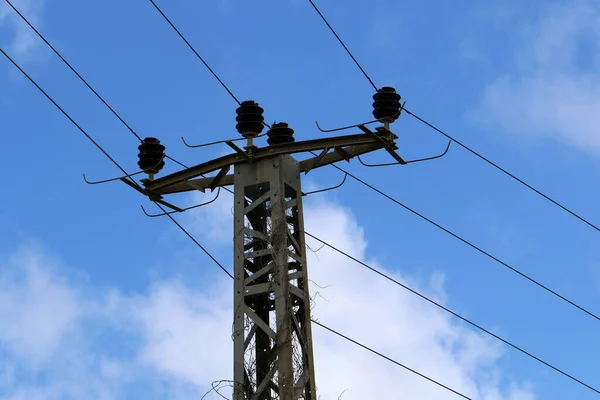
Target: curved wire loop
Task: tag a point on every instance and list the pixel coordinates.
(357, 125)
(111, 179)
(408, 162)
(195, 146)
(183, 209)
(434, 157)
(327, 189)
(125, 176)
(344, 127)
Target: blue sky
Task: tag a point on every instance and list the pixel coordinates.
(94, 289)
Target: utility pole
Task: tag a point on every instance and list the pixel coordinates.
(272, 338)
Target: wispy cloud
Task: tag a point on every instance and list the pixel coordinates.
(37, 310)
(178, 334)
(552, 88)
(22, 41)
(216, 218)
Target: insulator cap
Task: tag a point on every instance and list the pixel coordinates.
(280, 133)
(249, 119)
(151, 155)
(386, 107)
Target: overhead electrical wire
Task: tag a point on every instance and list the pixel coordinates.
(464, 146)
(115, 113)
(81, 78)
(473, 246)
(99, 147)
(343, 45)
(454, 313)
(432, 222)
(214, 74)
(390, 359)
(90, 87)
(522, 182)
(91, 139)
(534, 281)
(194, 51)
(208, 253)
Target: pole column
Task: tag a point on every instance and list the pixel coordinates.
(273, 356)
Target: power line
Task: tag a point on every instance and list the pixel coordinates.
(64, 112)
(398, 202)
(196, 242)
(111, 109)
(175, 161)
(427, 219)
(89, 137)
(172, 219)
(390, 360)
(441, 227)
(384, 194)
(468, 243)
(498, 167)
(82, 79)
(454, 313)
(195, 52)
(370, 349)
(72, 69)
(464, 146)
(473, 324)
(343, 44)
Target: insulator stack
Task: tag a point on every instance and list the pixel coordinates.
(386, 107)
(250, 119)
(151, 155)
(280, 133)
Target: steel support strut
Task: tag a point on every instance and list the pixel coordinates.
(272, 332)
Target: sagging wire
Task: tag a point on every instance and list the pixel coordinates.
(120, 178)
(327, 189)
(183, 209)
(110, 179)
(407, 162)
(453, 313)
(101, 149)
(125, 173)
(464, 146)
(472, 245)
(392, 360)
(81, 78)
(343, 128)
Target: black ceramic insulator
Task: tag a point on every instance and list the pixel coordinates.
(280, 133)
(151, 155)
(386, 107)
(249, 119)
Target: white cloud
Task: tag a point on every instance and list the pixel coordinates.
(23, 41)
(182, 335)
(359, 304)
(215, 220)
(186, 332)
(555, 84)
(391, 320)
(43, 349)
(37, 310)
